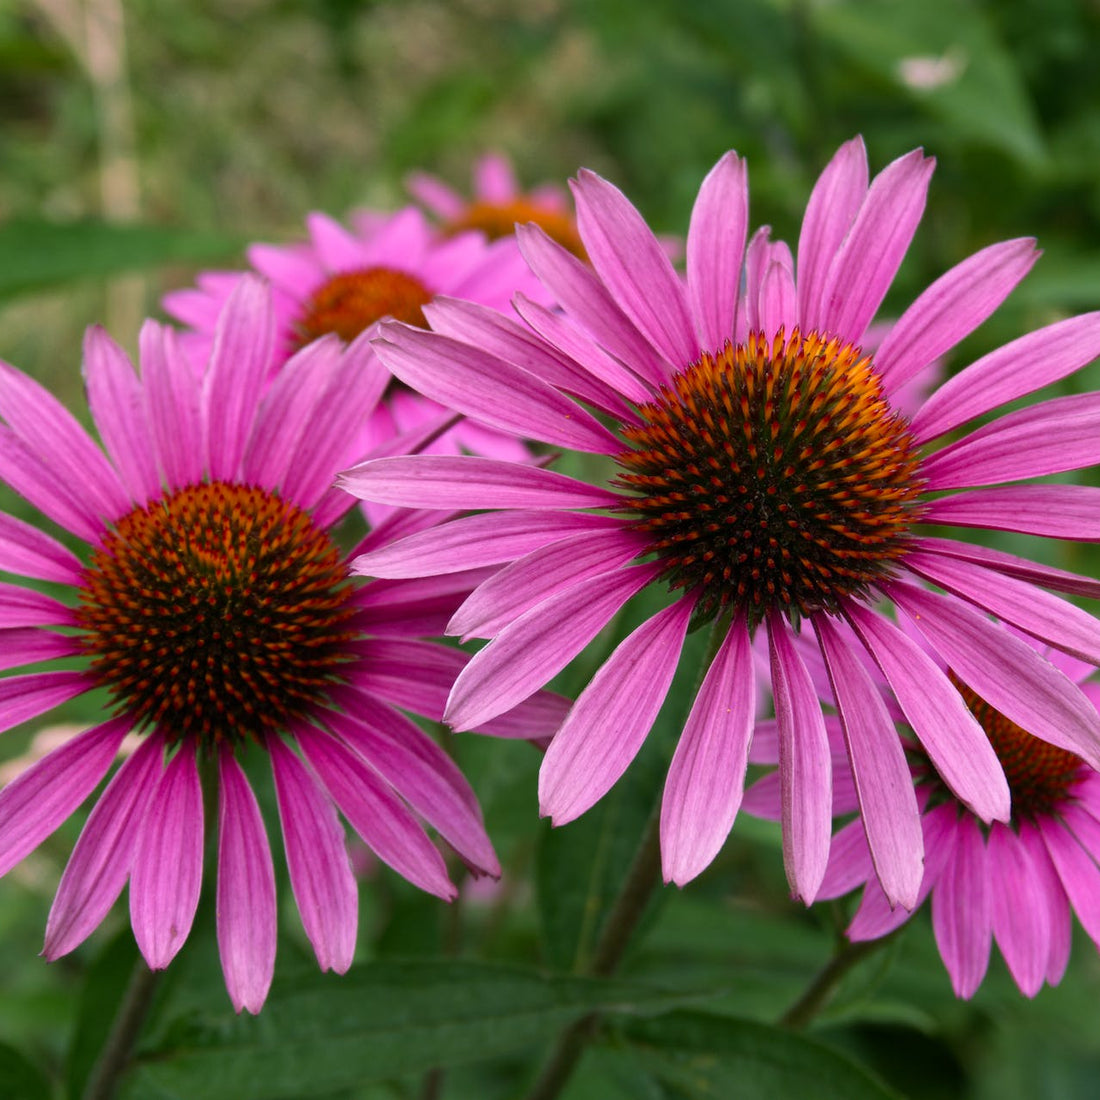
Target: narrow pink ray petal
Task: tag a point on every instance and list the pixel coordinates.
(1056, 511)
(1021, 367)
(416, 675)
(38, 800)
(955, 742)
(29, 552)
(52, 433)
(832, 207)
(23, 697)
(117, 403)
(1022, 931)
(865, 264)
(595, 364)
(537, 576)
(174, 406)
(777, 306)
(1078, 874)
(849, 863)
(1012, 566)
(716, 248)
(244, 343)
(584, 298)
(1040, 614)
(539, 644)
(805, 765)
(376, 813)
(192, 307)
(1057, 435)
(290, 268)
(420, 771)
(888, 804)
(22, 470)
(1005, 671)
(1048, 886)
(317, 859)
(634, 267)
(437, 196)
(287, 412)
(465, 481)
(488, 538)
(100, 864)
(707, 775)
(21, 606)
(603, 732)
(19, 647)
(167, 873)
(494, 179)
(402, 241)
(961, 909)
(247, 927)
(535, 719)
(951, 308)
(485, 328)
(339, 250)
(471, 381)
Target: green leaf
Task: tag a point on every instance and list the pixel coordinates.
(706, 1056)
(378, 1021)
(38, 254)
(21, 1079)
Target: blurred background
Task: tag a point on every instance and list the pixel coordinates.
(143, 140)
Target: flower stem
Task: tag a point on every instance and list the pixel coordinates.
(820, 990)
(132, 1012)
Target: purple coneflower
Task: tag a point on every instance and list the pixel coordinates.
(762, 473)
(1016, 882)
(215, 610)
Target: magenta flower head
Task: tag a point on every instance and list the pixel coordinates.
(498, 203)
(1015, 882)
(215, 610)
(760, 470)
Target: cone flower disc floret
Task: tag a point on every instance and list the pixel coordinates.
(762, 473)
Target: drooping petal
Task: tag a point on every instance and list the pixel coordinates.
(962, 909)
(1048, 888)
(603, 732)
(887, 801)
(539, 644)
(317, 859)
(1078, 873)
(716, 248)
(805, 765)
(29, 552)
(247, 928)
(102, 858)
(38, 800)
(849, 863)
(1022, 930)
(707, 775)
(955, 742)
(23, 697)
(167, 873)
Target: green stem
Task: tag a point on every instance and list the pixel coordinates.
(124, 1033)
(824, 985)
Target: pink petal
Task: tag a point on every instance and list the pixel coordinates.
(1057, 511)
(635, 268)
(471, 381)
(29, 552)
(494, 180)
(1021, 921)
(174, 406)
(23, 697)
(539, 644)
(1021, 367)
(609, 721)
(865, 264)
(38, 800)
(488, 538)
(888, 804)
(376, 813)
(439, 481)
(317, 859)
(244, 343)
(805, 766)
(542, 573)
(777, 305)
(1078, 873)
(247, 928)
(849, 863)
(101, 860)
(716, 248)
(834, 203)
(337, 248)
(1057, 435)
(955, 742)
(440, 199)
(167, 873)
(22, 607)
(951, 308)
(707, 775)
(1005, 671)
(1049, 886)
(961, 909)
